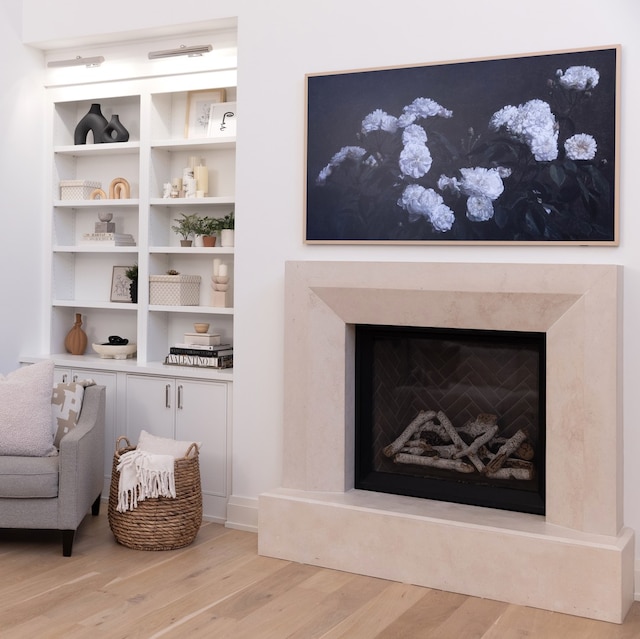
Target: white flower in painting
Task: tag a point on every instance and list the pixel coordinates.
(481, 186)
(532, 123)
(581, 146)
(379, 120)
(346, 152)
(421, 202)
(415, 134)
(415, 160)
(479, 208)
(579, 78)
(481, 181)
(422, 108)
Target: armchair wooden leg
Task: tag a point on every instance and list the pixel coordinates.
(67, 542)
(95, 507)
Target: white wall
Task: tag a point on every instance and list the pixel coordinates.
(21, 168)
(280, 41)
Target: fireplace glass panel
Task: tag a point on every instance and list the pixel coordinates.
(453, 415)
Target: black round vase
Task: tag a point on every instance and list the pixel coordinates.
(93, 121)
(115, 131)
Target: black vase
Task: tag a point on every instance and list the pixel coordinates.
(133, 291)
(115, 131)
(93, 121)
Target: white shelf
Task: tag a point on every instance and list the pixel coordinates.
(194, 144)
(112, 148)
(94, 249)
(181, 202)
(209, 310)
(193, 250)
(97, 304)
(88, 204)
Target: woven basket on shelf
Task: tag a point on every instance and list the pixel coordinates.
(159, 523)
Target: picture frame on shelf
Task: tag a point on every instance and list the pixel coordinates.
(120, 283)
(223, 120)
(520, 150)
(199, 105)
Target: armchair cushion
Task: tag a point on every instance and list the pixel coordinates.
(25, 411)
(28, 477)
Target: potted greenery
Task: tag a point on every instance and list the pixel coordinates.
(185, 227)
(227, 226)
(132, 274)
(207, 227)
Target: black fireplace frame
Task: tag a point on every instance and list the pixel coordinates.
(505, 497)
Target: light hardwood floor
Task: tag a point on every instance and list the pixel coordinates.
(220, 587)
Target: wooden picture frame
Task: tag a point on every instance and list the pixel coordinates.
(516, 150)
(120, 285)
(199, 110)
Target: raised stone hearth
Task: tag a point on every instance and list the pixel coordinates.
(578, 558)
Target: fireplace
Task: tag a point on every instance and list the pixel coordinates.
(578, 557)
(450, 414)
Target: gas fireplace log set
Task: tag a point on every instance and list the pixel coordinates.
(431, 440)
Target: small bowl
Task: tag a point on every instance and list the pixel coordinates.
(201, 327)
(109, 351)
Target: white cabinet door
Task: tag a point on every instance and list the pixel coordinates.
(201, 416)
(150, 406)
(109, 381)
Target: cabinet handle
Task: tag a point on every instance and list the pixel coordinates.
(75, 378)
(167, 397)
(64, 378)
(180, 396)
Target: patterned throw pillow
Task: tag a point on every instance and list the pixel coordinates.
(66, 404)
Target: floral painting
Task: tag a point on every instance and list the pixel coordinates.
(502, 150)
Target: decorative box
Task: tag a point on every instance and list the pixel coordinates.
(174, 290)
(77, 189)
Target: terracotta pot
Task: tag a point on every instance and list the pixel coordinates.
(208, 240)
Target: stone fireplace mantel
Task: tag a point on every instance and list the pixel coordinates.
(576, 559)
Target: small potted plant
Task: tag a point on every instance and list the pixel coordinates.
(227, 226)
(186, 227)
(207, 227)
(132, 274)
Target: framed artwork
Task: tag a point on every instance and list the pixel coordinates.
(120, 284)
(223, 120)
(199, 111)
(517, 150)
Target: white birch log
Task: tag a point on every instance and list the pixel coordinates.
(459, 442)
(421, 418)
(521, 474)
(434, 462)
(479, 425)
(506, 450)
(477, 443)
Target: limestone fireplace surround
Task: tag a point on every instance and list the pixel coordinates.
(578, 558)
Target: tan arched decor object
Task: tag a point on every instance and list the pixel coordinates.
(119, 189)
(98, 194)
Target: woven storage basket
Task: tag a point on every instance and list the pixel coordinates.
(159, 523)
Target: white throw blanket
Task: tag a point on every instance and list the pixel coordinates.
(144, 475)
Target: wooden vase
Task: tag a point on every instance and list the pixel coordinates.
(76, 340)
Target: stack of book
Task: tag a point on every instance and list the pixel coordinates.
(201, 349)
(108, 239)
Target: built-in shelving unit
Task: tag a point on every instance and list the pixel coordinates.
(186, 403)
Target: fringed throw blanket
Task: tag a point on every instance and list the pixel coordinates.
(144, 475)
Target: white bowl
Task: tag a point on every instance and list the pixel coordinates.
(115, 351)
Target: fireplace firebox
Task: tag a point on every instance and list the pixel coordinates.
(450, 414)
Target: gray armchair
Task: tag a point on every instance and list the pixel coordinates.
(57, 492)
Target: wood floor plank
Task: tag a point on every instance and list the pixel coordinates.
(219, 587)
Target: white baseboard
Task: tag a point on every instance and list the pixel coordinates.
(242, 513)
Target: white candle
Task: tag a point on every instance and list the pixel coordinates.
(216, 266)
(222, 271)
(201, 173)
